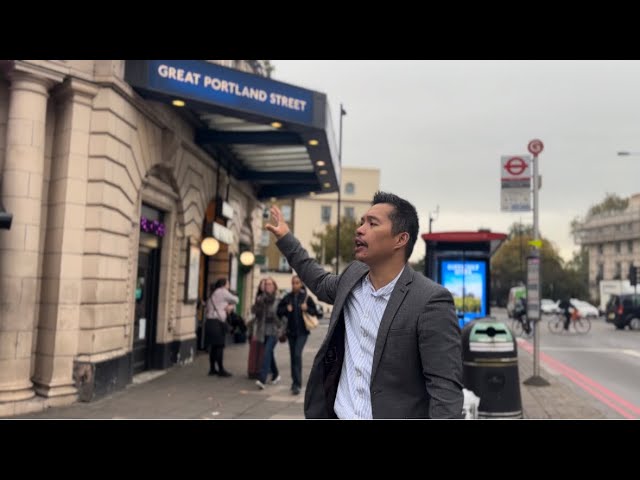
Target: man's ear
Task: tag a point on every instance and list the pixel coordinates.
(402, 240)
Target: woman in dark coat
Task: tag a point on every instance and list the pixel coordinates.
(291, 307)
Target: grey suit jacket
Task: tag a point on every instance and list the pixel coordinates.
(417, 362)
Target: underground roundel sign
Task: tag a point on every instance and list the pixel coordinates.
(516, 166)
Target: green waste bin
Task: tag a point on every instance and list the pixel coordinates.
(490, 368)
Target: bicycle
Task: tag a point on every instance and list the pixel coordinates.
(580, 324)
(521, 326)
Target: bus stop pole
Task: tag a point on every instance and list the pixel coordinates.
(536, 379)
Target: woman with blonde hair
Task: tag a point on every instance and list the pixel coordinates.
(267, 328)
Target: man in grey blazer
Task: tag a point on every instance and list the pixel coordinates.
(393, 347)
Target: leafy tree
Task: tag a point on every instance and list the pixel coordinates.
(611, 203)
(577, 274)
(509, 266)
(324, 243)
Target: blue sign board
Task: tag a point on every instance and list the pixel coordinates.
(225, 87)
(467, 282)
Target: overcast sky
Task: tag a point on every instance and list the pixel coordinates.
(437, 129)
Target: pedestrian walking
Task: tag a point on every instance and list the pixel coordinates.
(267, 328)
(292, 307)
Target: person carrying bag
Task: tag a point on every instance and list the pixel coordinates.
(301, 313)
(310, 320)
(216, 325)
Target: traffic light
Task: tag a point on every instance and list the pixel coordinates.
(633, 275)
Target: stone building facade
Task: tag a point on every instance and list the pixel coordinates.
(111, 197)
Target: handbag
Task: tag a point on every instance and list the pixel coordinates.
(226, 327)
(282, 330)
(310, 321)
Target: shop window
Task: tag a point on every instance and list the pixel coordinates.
(325, 214)
(283, 265)
(286, 212)
(349, 212)
(264, 240)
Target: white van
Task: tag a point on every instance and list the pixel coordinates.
(612, 287)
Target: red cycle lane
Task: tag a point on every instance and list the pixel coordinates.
(596, 390)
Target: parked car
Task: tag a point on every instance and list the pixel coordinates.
(624, 310)
(585, 309)
(549, 307)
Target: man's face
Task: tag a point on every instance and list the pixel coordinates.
(296, 284)
(374, 241)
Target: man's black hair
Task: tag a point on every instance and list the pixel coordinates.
(221, 282)
(404, 218)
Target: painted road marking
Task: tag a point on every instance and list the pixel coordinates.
(582, 349)
(626, 351)
(593, 388)
(633, 353)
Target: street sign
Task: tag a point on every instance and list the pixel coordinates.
(535, 147)
(222, 233)
(516, 183)
(536, 243)
(533, 288)
(516, 167)
(515, 200)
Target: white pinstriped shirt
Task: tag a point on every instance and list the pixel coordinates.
(363, 312)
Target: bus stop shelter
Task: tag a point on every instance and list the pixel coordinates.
(460, 261)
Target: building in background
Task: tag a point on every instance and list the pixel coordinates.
(613, 242)
(313, 213)
(132, 186)
(273, 260)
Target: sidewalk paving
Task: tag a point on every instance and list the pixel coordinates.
(186, 392)
(559, 400)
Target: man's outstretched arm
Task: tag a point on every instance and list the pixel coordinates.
(323, 284)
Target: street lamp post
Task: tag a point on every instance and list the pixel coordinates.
(343, 112)
(433, 216)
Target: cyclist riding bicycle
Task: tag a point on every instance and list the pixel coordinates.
(520, 313)
(567, 310)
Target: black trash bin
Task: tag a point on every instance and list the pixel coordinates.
(490, 368)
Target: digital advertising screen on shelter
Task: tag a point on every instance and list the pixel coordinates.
(466, 280)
